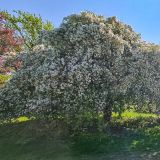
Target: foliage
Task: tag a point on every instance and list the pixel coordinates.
(124, 31)
(9, 41)
(9, 64)
(27, 25)
(145, 88)
(4, 79)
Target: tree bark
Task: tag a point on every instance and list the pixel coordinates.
(107, 113)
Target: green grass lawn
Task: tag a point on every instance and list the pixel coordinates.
(133, 137)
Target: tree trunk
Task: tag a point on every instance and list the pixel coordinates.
(107, 113)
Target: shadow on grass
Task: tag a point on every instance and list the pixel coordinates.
(33, 140)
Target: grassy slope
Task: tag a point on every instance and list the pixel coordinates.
(135, 136)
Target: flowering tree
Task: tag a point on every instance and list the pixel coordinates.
(82, 67)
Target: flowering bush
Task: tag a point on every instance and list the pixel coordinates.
(85, 66)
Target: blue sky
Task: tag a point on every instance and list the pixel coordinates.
(142, 15)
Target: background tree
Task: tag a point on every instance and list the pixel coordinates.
(27, 25)
(10, 44)
(9, 40)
